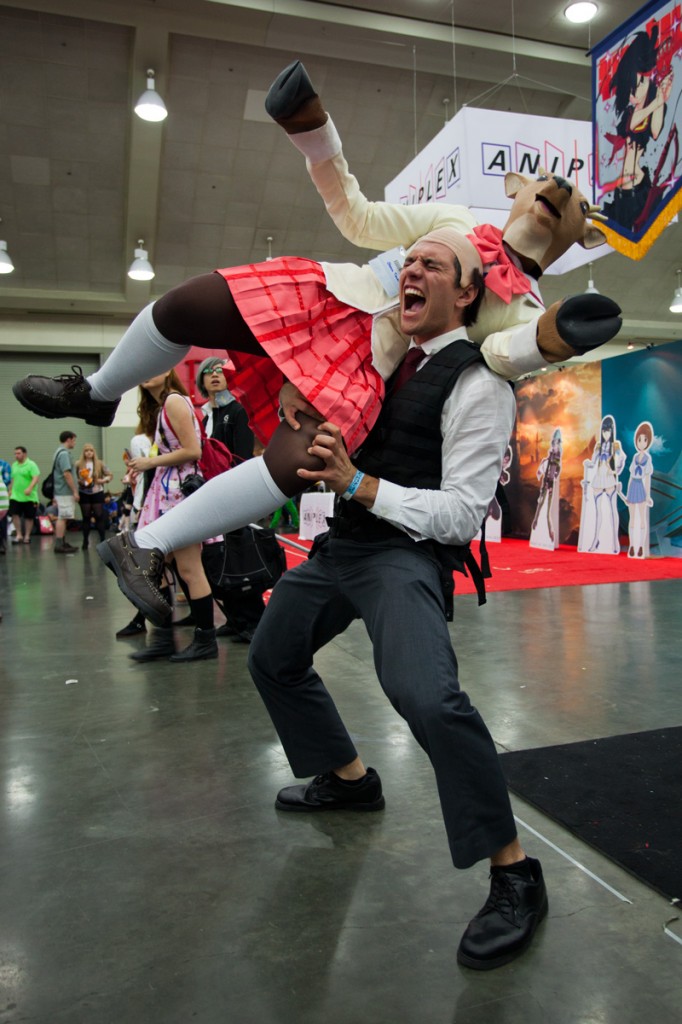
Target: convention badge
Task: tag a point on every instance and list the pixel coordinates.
(387, 268)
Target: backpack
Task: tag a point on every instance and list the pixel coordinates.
(246, 560)
(47, 486)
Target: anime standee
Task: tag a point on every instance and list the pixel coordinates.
(599, 514)
(545, 529)
(638, 498)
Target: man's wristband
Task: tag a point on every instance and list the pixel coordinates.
(353, 485)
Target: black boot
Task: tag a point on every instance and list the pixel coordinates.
(160, 645)
(136, 627)
(202, 647)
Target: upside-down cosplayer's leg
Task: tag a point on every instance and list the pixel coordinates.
(198, 312)
(240, 496)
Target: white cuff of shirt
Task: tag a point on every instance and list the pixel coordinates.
(319, 144)
(388, 502)
(523, 349)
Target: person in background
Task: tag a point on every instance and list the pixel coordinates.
(23, 496)
(65, 491)
(4, 509)
(223, 417)
(226, 420)
(140, 447)
(92, 475)
(6, 480)
(173, 456)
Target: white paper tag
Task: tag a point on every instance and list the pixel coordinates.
(387, 268)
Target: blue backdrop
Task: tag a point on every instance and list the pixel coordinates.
(643, 386)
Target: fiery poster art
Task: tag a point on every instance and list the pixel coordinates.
(571, 402)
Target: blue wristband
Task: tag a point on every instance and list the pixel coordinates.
(353, 485)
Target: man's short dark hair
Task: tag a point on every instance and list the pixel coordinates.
(470, 314)
(66, 435)
(20, 448)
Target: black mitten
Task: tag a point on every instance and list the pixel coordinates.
(586, 321)
(289, 91)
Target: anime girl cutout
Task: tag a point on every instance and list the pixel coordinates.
(641, 86)
(499, 506)
(638, 497)
(599, 517)
(545, 529)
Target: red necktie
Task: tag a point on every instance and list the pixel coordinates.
(408, 368)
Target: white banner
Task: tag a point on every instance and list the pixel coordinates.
(466, 163)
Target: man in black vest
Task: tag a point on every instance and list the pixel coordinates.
(409, 503)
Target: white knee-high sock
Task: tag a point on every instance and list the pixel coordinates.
(233, 499)
(141, 353)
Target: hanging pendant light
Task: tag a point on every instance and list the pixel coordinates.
(6, 265)
(150, 106)
(590, 290)
(141, 269)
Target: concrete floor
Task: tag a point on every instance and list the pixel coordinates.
(147, 879)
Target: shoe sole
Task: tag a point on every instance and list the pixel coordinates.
(378, 805)
(175, 658)
(93, 421)
(506, 958)
(150, 612)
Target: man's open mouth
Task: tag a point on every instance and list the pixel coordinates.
(550, 207)
(413, 299)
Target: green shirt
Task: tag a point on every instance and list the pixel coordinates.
(22, 474)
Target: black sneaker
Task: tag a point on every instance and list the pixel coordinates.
(66, 395)
(506, 924)
(330, 793)
(139, 572)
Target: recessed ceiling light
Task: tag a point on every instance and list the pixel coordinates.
(581, 12)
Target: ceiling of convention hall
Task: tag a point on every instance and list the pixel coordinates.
(82, 179)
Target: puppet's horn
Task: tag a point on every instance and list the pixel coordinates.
(594, 213)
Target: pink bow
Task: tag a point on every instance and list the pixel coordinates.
(501, 275)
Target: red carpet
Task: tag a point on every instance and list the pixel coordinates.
(517, 566)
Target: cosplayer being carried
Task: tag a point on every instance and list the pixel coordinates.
(330, 331)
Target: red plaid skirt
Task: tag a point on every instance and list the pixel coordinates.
(312, 339)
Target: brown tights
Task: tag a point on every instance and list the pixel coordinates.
(202, 312)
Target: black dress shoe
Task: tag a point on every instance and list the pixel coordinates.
(505, 925)
(66, 395)
(330, 793)
(290, 89)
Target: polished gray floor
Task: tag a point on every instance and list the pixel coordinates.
(147, 879)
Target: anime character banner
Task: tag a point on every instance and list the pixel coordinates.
(637, 123)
